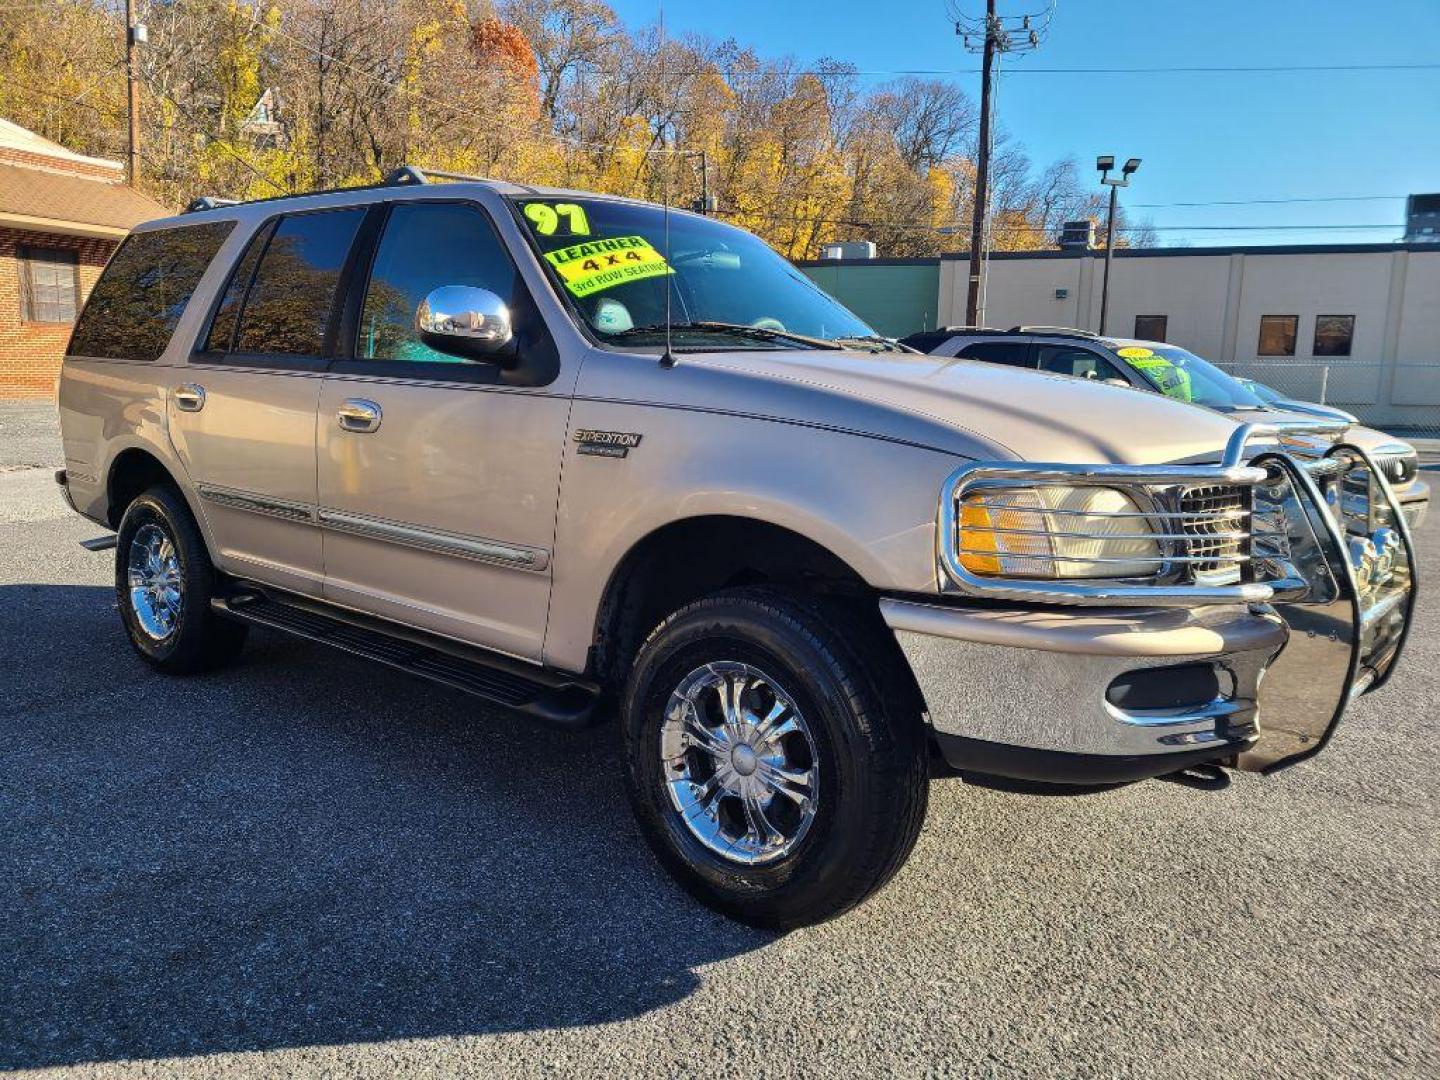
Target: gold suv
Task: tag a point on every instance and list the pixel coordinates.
(582, 456)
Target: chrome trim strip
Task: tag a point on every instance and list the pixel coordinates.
(258, 504)
(464, 547)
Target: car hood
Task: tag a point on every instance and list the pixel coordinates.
(960, 406)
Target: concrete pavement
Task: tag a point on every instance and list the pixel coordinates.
(306, 866)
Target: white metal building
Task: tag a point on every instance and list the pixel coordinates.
(1359, 324)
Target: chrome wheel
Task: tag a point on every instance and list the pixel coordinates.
(740, 763)
(153, 571)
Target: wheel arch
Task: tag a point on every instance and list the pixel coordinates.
(692, 557)
(136, 468)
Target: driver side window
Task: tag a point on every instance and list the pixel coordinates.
(425, 246)
(1080, 363)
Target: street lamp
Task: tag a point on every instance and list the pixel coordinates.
(1106, 163)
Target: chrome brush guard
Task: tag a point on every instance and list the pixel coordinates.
(1323, 544)
(1332, 540)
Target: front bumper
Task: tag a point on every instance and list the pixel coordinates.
(1083, 697)
(1080, 694)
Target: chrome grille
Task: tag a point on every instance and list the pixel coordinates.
(1216, 521)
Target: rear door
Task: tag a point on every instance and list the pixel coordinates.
(439, 476)
(243, 421)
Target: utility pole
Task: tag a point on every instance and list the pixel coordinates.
(982, 171)
(705, 204)
(1104, 164)
(134, 35)
(997, 34)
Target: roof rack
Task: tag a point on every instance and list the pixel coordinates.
(413, 174)
(404, 175)
(208, 202)
(1056, 331)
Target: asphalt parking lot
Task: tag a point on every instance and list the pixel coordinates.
(302, 865)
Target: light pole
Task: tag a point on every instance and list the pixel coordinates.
(1105, 163)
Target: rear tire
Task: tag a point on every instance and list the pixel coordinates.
(854, 752)
(164, 581)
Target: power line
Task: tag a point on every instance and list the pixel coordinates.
(842, 72)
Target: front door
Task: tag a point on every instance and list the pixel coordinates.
(243, 416)
(438, 476)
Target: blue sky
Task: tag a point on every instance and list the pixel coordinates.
(1203, 137)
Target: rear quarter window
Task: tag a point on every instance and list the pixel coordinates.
(136, 304)
(1009, 353)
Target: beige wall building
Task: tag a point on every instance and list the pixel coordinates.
(1358, 323)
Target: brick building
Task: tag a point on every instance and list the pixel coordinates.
(61, 216)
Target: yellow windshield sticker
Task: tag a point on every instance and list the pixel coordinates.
(546, 218)
(1172, 380)
(603, 264)
(1134, 352)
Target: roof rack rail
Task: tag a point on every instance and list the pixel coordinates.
(1053, 330)
(208, 202)
(958, 329)
(405, 174)
(413, 174)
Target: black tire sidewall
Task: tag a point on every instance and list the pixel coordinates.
(823, 690)
(163, 508)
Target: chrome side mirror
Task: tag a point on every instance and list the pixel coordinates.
(464, 321)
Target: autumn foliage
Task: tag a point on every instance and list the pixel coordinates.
(249, 99)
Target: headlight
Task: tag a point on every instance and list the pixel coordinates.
(1055, 532)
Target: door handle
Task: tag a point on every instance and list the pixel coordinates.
(359, 415)
(189, 397)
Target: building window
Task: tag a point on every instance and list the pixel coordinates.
(1333, 334)
(1277, 335)
(49, 285)
(1151, 327)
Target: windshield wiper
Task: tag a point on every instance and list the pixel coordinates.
(754, 333)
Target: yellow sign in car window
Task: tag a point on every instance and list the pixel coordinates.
(603, 264)
(1173, 380)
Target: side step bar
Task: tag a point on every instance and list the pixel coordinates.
(553, 699)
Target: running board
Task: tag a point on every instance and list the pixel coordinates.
(553, 699)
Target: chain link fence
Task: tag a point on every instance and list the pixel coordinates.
(1400, 398)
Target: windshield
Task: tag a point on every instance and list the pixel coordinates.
(728, 289)
(1178, 373)
(1267, 394)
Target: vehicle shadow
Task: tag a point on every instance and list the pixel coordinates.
(301, 850)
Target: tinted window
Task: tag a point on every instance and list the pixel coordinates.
(1333, 334)
(1081, 363)
(222, 327)
(1151, 327)
(926, 341)
(289, 306)
(1013, 353)
(1277, 335)
(50, 285)
(425, 246)
(135, 305)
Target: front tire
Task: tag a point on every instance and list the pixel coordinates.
(164, 582)
(775, 756)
